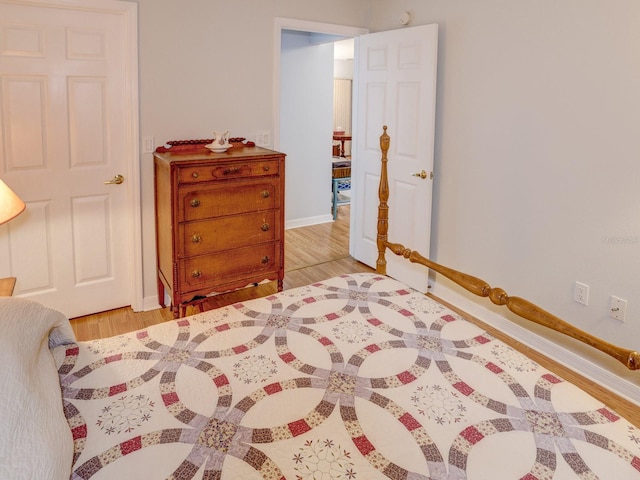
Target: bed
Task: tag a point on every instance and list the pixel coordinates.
(355, 377)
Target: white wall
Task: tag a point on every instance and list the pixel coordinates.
(306, 123)
(537, 149)
(208, 64)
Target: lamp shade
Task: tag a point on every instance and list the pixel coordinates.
(10, 204)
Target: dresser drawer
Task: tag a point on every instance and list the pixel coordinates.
(226, 266)
(224, 233)
(224, 200)
(225, 171)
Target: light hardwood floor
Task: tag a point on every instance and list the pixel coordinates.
(312, 254)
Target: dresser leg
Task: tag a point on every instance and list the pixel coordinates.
(280, 284)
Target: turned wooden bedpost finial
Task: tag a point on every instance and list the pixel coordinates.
(383, 208)
(633, 362)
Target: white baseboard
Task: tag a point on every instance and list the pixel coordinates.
(308, 221)
(151, 303)
(628, 389)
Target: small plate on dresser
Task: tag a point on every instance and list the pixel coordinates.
(217, 148)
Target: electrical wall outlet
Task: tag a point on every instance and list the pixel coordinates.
(581, 293)
(617, 308)
(263, 138)
(148, 144)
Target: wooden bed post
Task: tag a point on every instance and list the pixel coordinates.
(383, 208)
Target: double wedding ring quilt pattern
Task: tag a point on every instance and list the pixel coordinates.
(357, 377)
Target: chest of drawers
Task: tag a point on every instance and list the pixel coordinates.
(219, 222)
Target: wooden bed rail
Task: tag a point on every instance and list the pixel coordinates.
(521, 307)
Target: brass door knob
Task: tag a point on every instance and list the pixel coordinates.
(117, 180)
(422, 174)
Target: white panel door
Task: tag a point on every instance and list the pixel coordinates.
(63, 133)
(396, 86)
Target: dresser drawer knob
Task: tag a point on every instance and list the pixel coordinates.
(266, 194)
(231, 170)
(266, 168)
(195, 175)
(265, 259)
(196, 274)
(195, 202)
(265, 227)
(196, 238)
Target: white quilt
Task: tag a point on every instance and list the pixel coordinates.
(355, 378)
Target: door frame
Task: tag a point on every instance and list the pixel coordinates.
(128, 11)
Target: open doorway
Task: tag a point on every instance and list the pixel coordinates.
(343, 56)
(303, 123)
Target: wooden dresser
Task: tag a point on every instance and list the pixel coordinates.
(219, 221)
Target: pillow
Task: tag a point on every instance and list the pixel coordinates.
(35, 439)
